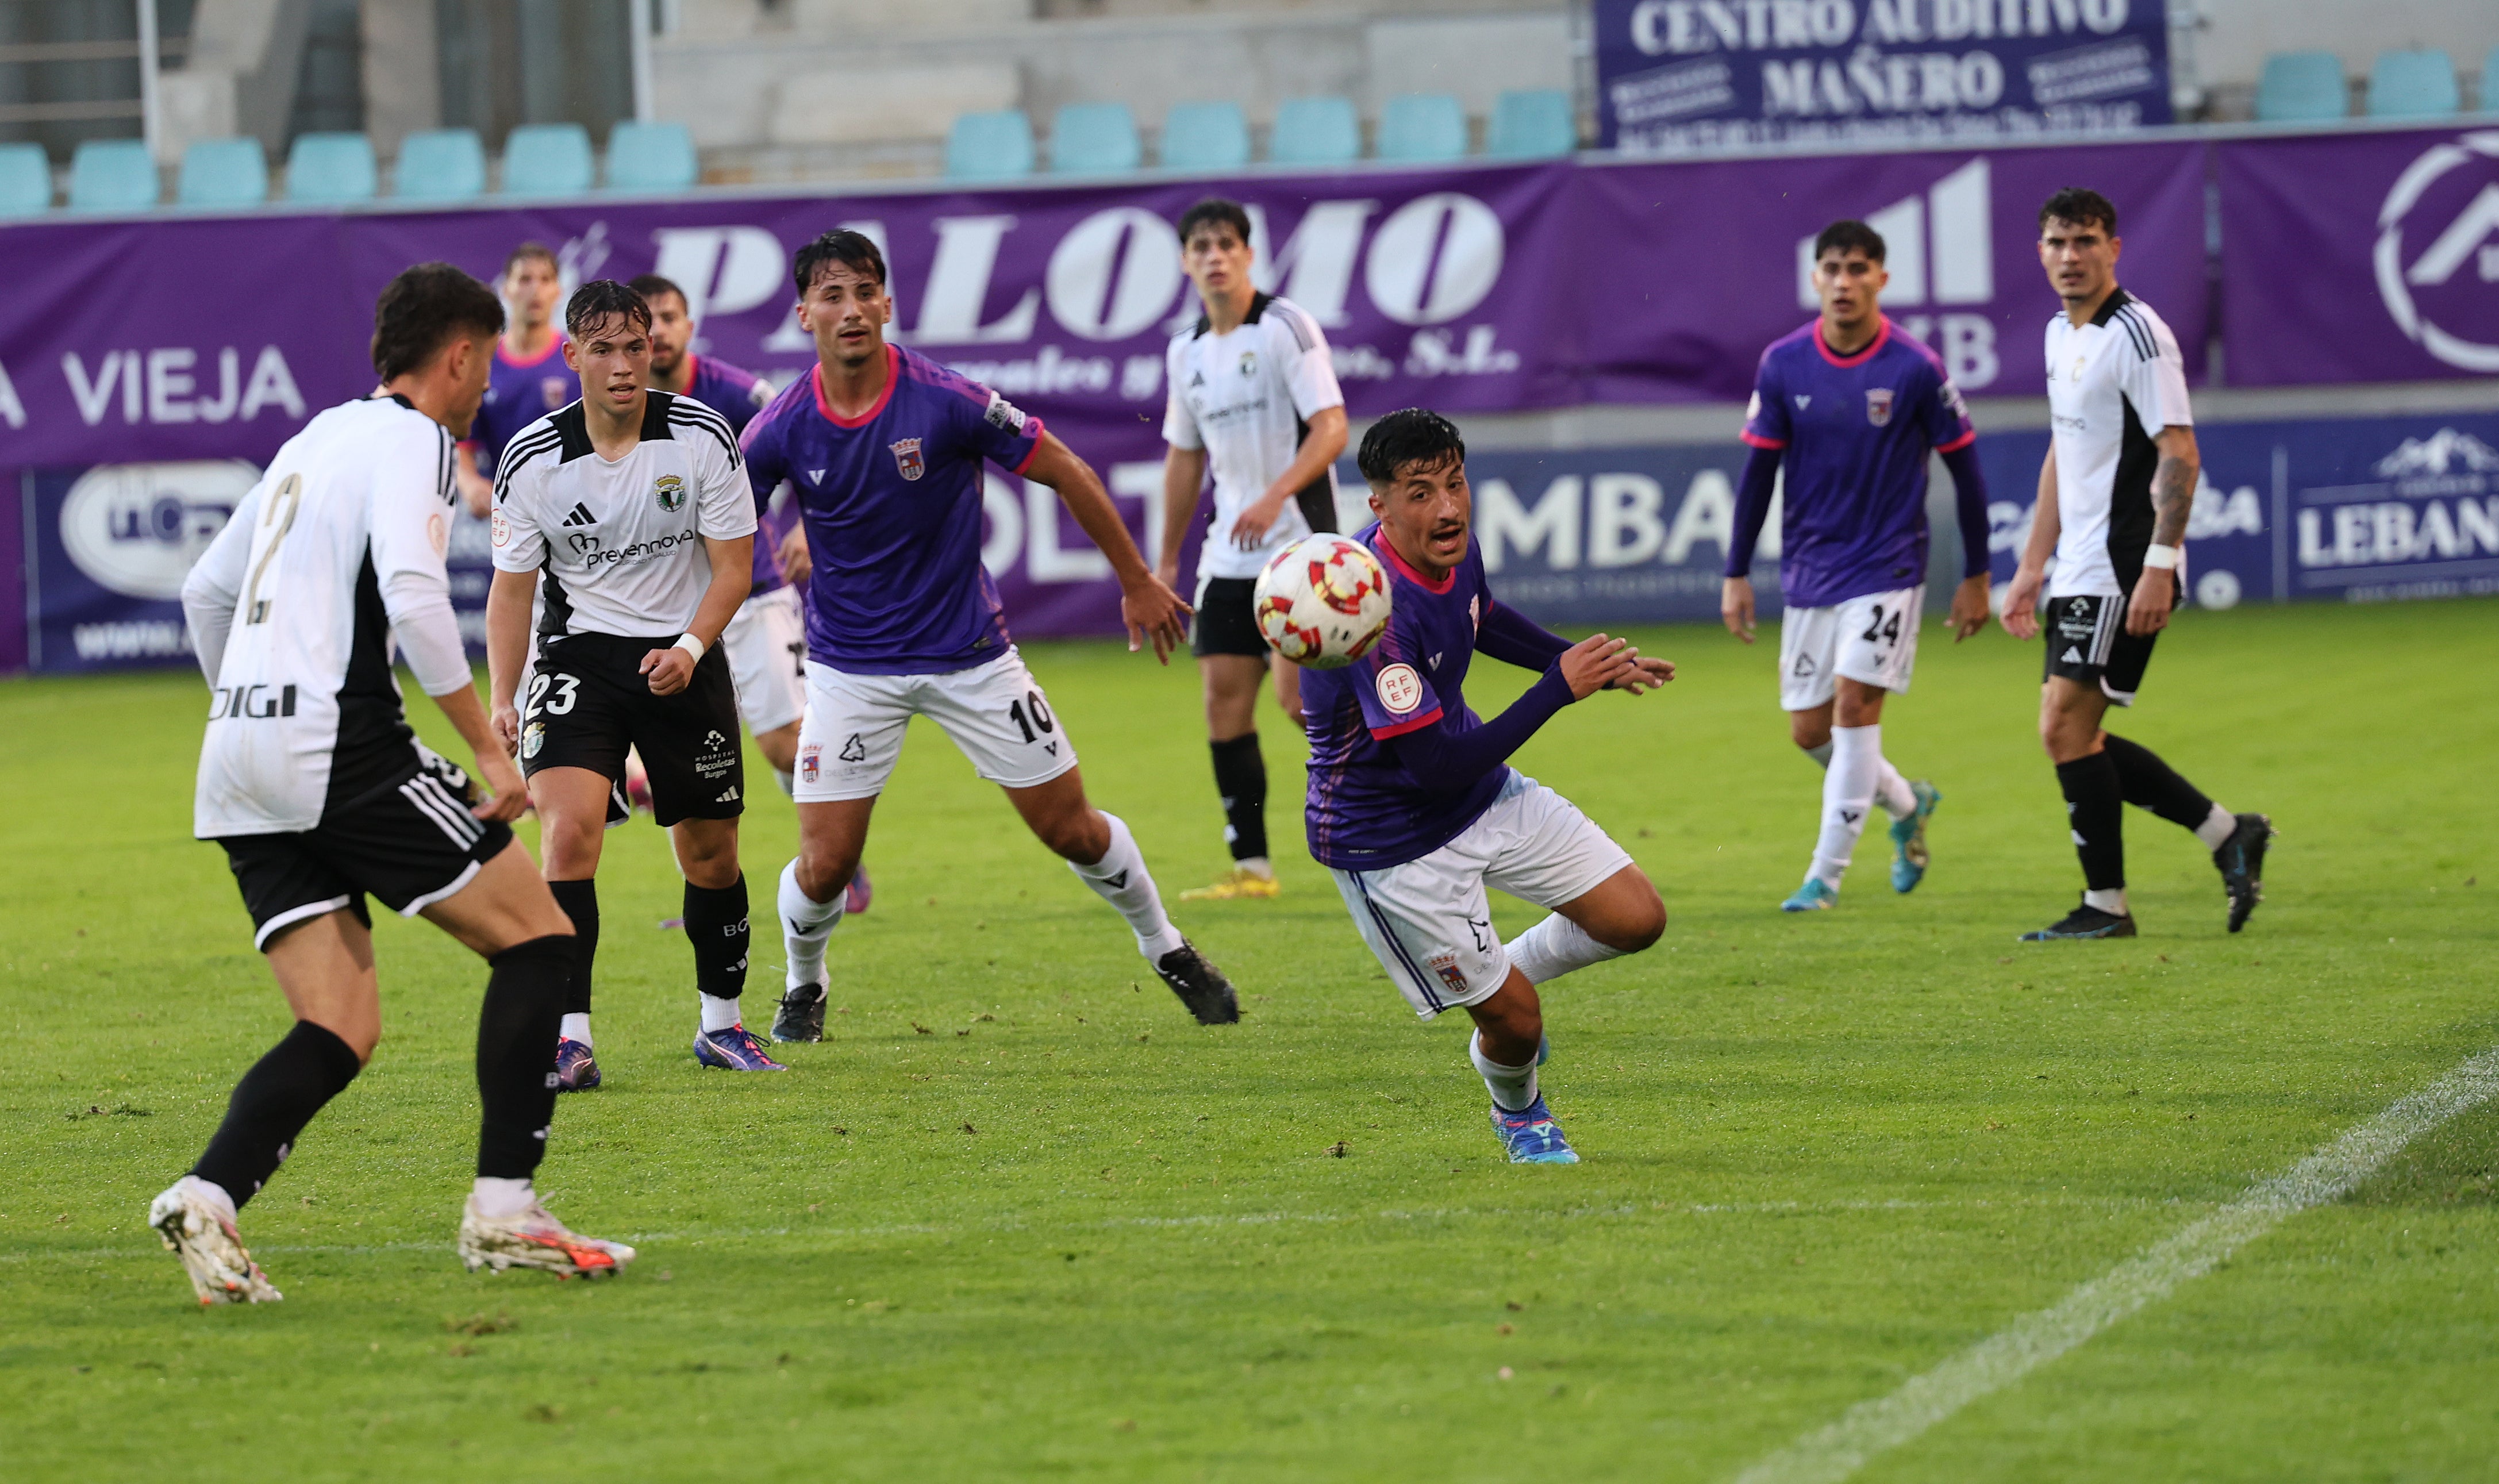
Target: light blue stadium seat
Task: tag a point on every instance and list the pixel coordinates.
(113, 175)
(1422, 129)
(1315, 131)
(25, 180)
(1095, 138)
(1205, 136)
(1531, 123)
(2413, 84)
(440, 165)
(331, 168)
(651, 157)
(222, 173)
(547, 160)
(990, 146)
(2302, 87)
(2490, 100)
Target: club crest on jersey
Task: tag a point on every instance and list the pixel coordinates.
(671, 490)
(908, 459)
(1879, 405)
(1248, 363)
(533, 737)
(1445, 965)
(811, 762)
(555, 389)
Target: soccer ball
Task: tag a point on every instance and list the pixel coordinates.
(1322, 601)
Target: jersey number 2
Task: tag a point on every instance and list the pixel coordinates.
(288, 495)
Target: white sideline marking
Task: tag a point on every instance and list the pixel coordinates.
(1832, 1453)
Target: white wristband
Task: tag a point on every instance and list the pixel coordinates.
(694, 647)
(2158, 555)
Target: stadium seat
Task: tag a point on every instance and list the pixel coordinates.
(25, 180)
(1205, 136)
(440, 165)
(2413, 84)
(547, 160)
(329, 168)
(113, 175)
(1533, 123)
(2302, 87)
(1095, 138)
(990, 146)
(2487, 100)
(1315, 131)
(653, 156)
(224, 173)
(1422, 129)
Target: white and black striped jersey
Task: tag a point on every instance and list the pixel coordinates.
(620, 545)
(1247, 397)
(293, 608)
(2112, 384)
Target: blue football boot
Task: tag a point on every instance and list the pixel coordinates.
(1815, 896)
(1531, 1136)
(1909, 838)
(575, 1069)
(735, 1048)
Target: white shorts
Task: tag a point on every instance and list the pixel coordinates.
(853, 733)
(1872, 639)
(1427, 920)
(766, 640)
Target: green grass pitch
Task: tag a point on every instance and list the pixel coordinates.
(1018, 1217)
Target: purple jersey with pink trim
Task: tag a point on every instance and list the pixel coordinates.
(736, 395)
(518, 393)
(1366, 813)
(1857, 431)
(891, 502)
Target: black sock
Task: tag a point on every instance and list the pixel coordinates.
(516, 1033)
(716, 924)
(1240, 778)
(271, 1106)
(579, 900)
(2098, 812)
(2149, 783)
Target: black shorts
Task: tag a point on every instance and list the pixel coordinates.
(411, 844)
(589, 703)
(1227, 618)
(2088, 644)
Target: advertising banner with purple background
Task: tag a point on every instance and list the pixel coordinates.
(2360, 257)
(139, 361)
(1706, 74)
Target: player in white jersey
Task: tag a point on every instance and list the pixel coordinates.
(312, 782)
(1253, 397)
(628, 512)
(2114, 493)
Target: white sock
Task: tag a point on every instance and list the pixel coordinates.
(2218, 828)
(499, 1200)
(1892, 791)
(1121, 879)
(1512, 1089)
(718, 1015)
(576, 1026)
(1847, 793)
(2112, 901)
(788, 780)
(212, 1192)
(805, 925)
(1257, 866)
(1554, 947)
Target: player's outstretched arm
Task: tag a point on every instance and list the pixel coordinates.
(1147, 605)
(1444, 762)
(2022, 598)
(508, 649)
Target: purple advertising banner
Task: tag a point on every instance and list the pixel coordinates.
(2360, 257)
(168, 348)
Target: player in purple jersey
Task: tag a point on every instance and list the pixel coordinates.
(1414, 809)
(529, 378)
(885, 449)
(1851, 409)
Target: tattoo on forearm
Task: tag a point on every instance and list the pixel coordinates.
(2173, 494)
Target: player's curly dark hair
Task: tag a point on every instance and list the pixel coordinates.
(601, 298)
(1214, 210)
(855, 250)
(1410, 438)
(423, 310)
(2080, 207)
(1847, 237)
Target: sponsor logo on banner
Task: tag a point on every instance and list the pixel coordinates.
(136, 528)
(2427, 525)
(907, 458)
(2437, 252)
